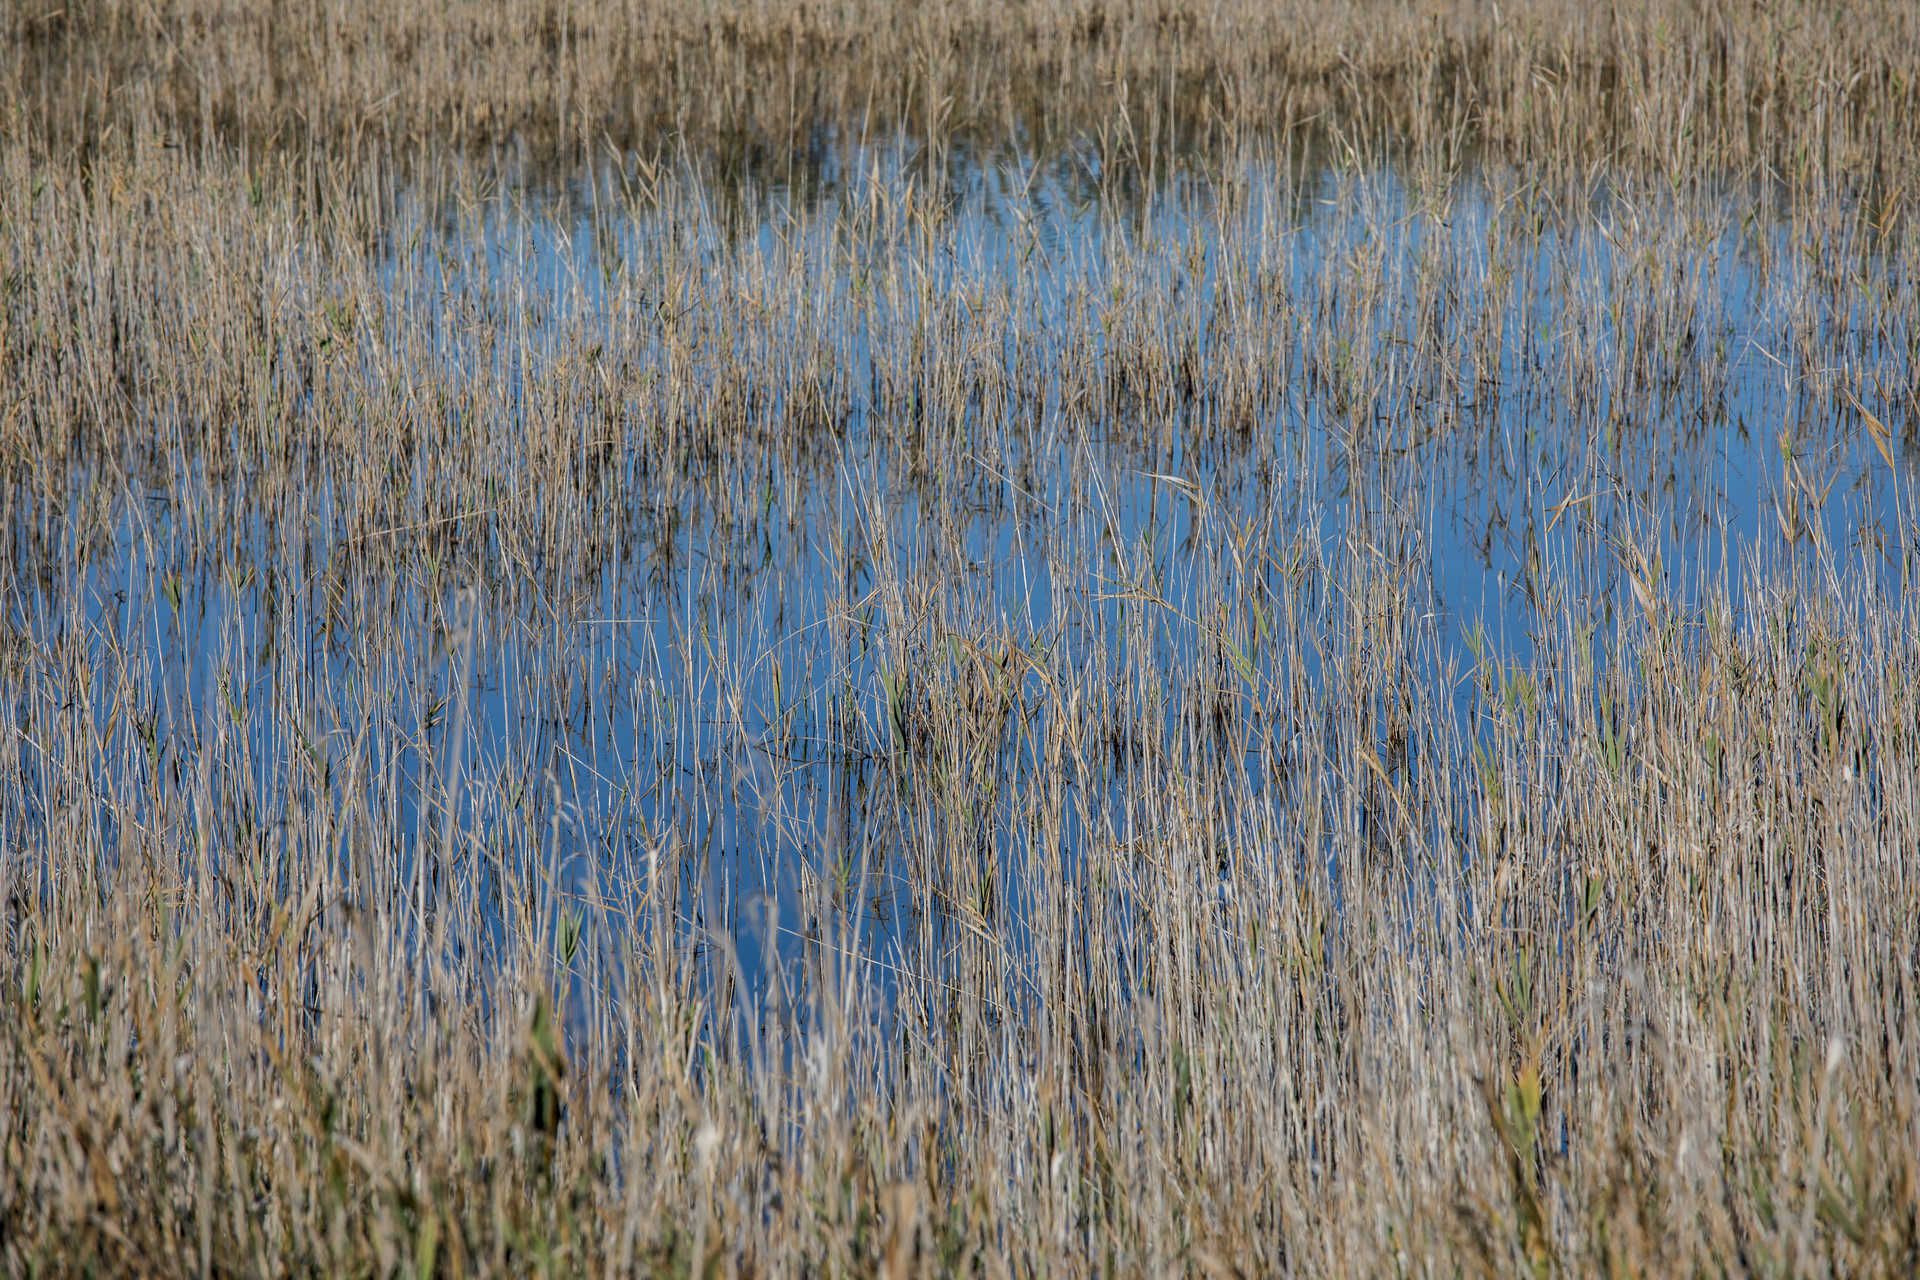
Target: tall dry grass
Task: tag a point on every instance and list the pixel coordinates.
(1797, 91)
(420, 611)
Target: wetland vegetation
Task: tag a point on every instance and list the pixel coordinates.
(1066, 637)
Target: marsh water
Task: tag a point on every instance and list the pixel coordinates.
(727, 678)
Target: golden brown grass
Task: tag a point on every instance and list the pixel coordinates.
(1161, 890)
(1798, 90)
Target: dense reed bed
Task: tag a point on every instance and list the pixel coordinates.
(1797, 89)
(1226, 696)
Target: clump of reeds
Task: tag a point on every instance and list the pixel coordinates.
(1790, 91)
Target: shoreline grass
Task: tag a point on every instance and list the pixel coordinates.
(1798, 93)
